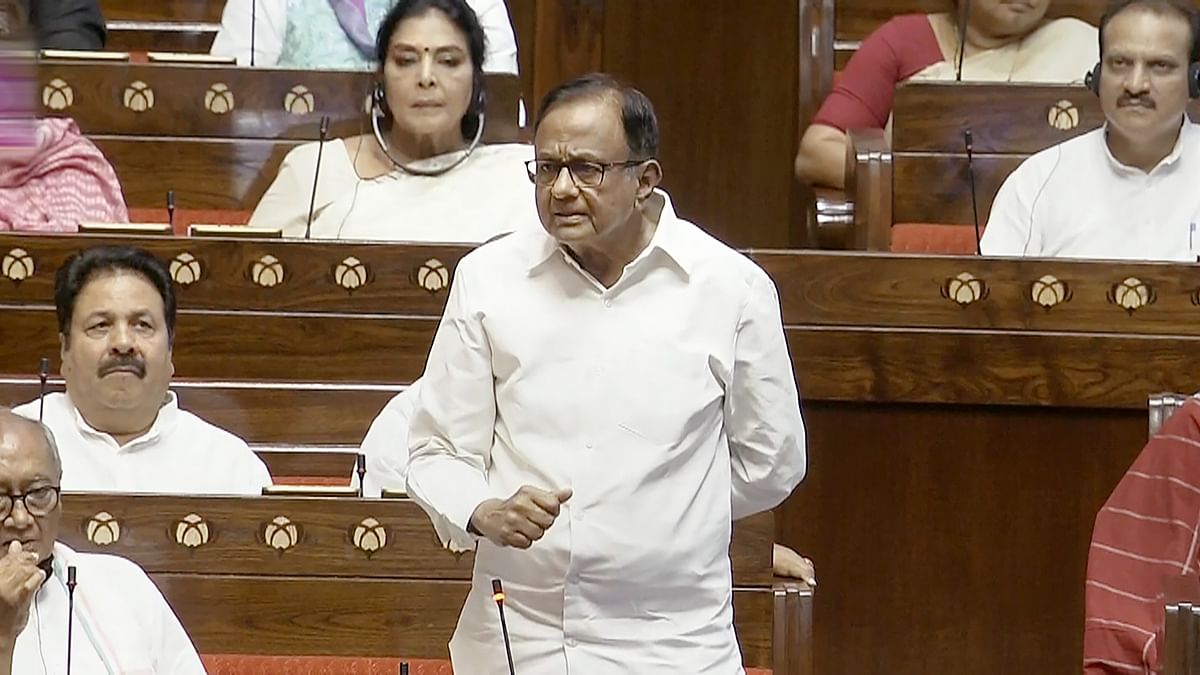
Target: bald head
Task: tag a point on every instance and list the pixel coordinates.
(21, 435)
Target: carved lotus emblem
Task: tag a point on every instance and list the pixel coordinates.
(432, 275)
(1132, 294)
(1049, 291)
(103, 529)
(185, 269)
(299, 100)
(964, 289)
(1063, 116)
(281, 533)
(351, 274)
(17, 265)
(139, 97)
(191, 531)
(58, 95)
(369, 536)
(267, 271)
(218, 100)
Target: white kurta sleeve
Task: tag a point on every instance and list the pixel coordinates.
(501, 55)
(386, 444)
(762, 408)
(270, 25)
(284, 206)
(178, 655)
(1010, 226)
(453, 423)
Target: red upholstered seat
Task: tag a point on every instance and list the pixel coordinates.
(240, 664)
(187, 217)
(933, 238)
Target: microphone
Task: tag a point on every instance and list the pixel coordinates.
(70, 612)
(312, 202)
(962, 39)
(253, 28)
(171, 208)
(360, 467)
(498, 596)
(404, 668)
(967, 141)
(43, 374)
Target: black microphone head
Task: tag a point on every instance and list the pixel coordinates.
(360, 463)
(70, 575)
(44, 368)
(404, 668)
(324, 127)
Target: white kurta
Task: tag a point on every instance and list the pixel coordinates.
(180, 454)
(386, 444)
(644, 399)
(1075, 200)
(122, 624)
(271, 20)
(487, 195)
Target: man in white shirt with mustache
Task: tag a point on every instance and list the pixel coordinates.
(119, 427)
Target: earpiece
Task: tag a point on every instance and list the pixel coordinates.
(1092, 79)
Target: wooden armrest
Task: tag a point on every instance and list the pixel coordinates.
(869, 187)
(1181, 643)
(792, 639)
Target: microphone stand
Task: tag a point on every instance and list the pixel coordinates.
(312, 202)
(70, 612)
(498, 596)
(43, 374)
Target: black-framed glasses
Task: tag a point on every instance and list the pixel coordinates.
(37, 502)
(584, 173)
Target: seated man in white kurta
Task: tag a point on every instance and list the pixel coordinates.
(591, 391)
(120, 621)
(1127, 190)
(119, 428)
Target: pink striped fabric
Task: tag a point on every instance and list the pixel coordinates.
(1146, 532)
(62, 181)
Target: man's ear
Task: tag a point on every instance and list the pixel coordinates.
(649, 179)
(64, 345)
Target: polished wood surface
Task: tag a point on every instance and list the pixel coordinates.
(157, 99)
(163, 10)
(330, 576)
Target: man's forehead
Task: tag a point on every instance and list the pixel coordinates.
(119, 289)
(588, 125)
(24, 453)
(1146, 30)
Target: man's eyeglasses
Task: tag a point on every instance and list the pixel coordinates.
(37, 502)
(585, 174)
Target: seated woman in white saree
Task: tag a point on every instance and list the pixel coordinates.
(423, 175)
(1003, 41)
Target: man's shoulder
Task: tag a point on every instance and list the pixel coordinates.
(711, 256)
(193, 427)
(54, 402)
(1038, 167)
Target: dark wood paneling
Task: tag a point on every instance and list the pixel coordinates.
(408, 279)
(953, 539)
(163, 10)
(159, 39)
(1010, 119)
(937, 188)
(728, 115)
(229, 102)
(415, 619)
(568, 40)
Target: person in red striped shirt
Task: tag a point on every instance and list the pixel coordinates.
(1147, 531)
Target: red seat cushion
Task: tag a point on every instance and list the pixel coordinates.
(240, 664)
(933, 238)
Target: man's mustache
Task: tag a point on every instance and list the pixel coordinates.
(129, 362)
(1140, 101)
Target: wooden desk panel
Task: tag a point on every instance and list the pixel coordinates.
(163, 10)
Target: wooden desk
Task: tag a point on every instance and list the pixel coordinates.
(321, 576)
(966, 417)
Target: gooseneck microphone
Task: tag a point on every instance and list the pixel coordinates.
(968, 142)
(498, 596)
(253, 29)
(70, 612)
(43, 375)
(360, 467)
(404, 668)
(962, 38)
(171, 209)
(312, 201)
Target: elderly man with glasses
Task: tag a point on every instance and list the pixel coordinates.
(116, 621)
(604, 396)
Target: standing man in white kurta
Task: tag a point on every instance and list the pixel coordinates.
(595, 393)
(121, 623)
(1127, 190)
(119, 427)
